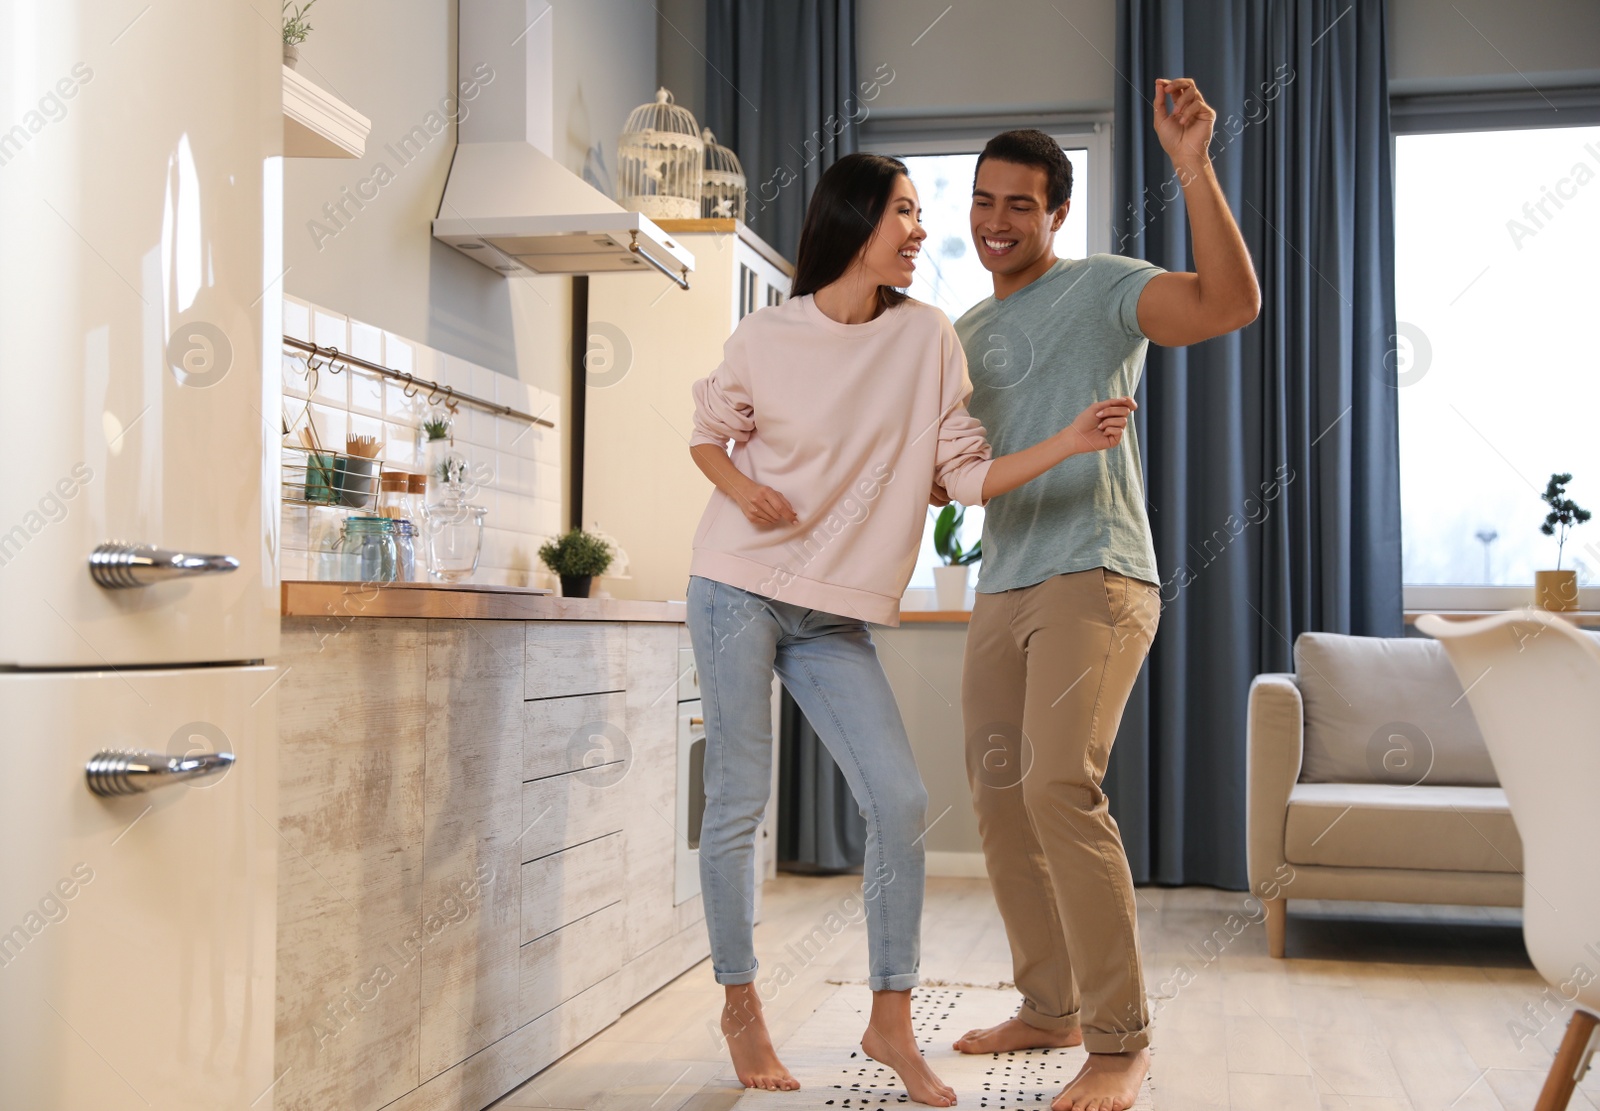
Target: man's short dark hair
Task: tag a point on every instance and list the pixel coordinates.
(1029, 147)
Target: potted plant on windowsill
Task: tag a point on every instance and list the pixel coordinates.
(577, 558)
(950, 580)
(295, 30)
(1558, 590)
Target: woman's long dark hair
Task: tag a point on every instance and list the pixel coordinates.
(844, 212)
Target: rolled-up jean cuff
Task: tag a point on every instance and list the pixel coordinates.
(1047, 1022)
(903, 982)
(1123, 1041)
(729, 978)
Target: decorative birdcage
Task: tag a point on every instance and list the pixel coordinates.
(722, 184)
(659, 155)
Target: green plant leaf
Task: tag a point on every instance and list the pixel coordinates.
(577, 553)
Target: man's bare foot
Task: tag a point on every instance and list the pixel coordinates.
(749, 1044)
(889, 1040)
(1107, 1082)
(1014, 1034)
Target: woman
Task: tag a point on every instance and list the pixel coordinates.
(845, 406)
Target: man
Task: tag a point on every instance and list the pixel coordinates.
(1068, 599)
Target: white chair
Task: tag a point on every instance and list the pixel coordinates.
(1533, 681)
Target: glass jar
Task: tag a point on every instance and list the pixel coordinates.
(453, 535)
(417, 496)
(405, 542)
(393, 489)
(369, 549)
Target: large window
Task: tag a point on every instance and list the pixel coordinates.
(1497, 366)
(949, 275)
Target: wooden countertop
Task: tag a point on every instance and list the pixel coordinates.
(935, 617)
(476, 601)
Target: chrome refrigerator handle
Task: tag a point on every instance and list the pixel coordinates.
(130, 773)
(118, 566)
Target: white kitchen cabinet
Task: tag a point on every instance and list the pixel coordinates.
(317, 124)
(648, 342)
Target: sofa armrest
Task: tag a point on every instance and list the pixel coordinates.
(1274, 741)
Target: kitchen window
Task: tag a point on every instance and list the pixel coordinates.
(950, 277)
(1497, 376)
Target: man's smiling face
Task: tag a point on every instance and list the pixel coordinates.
(1011, 227)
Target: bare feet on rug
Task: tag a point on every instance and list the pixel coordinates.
(749, 1044)
(889, 1040)
(1014, 1034)
(1107, 1082)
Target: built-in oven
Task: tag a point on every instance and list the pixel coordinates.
(690, 803)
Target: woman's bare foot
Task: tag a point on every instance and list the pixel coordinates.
(749, 1044)
(1107, 1082)
(1014, 1034)
(890, 1040)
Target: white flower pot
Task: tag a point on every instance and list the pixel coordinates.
(950, 587)
(291, 55)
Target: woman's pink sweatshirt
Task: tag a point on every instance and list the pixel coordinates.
(854, 424)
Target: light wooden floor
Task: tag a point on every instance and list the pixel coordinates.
(1376, 1009)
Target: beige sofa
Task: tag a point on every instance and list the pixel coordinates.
(1368, 780)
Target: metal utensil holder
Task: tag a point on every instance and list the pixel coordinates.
(330, 478)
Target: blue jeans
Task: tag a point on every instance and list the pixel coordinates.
(830, 667)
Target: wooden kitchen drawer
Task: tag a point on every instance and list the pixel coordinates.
(561, 659)
(567, 734)
(559, 965)
(561, 811)
(563, 887)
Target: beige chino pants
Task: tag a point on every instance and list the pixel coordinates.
(1048, 671)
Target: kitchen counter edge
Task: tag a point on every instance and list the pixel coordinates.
(302, 598)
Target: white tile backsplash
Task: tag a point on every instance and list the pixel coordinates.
(366, 393)
(517, 466)
(366, 342)
(296, 319)
(330, 329)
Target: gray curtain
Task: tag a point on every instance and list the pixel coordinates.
(780, 89)
(1272, 467)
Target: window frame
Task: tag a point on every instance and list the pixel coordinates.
(1487, 112)
(1093, 136)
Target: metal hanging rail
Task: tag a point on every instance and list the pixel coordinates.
(437, 395)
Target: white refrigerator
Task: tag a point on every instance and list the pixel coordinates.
(140, 269)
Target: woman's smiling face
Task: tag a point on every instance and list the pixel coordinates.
(890, 256)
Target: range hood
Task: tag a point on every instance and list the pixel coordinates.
(507, 203)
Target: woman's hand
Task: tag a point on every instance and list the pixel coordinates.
(1101, 425)
(761, 505)
(766, 507)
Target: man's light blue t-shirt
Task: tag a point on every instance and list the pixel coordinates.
(1038, 359)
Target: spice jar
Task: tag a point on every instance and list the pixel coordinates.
(393, 493)
(369, 549)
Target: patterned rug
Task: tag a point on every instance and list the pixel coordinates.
(825, 1057)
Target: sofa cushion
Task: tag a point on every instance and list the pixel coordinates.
(1378, 825)
(1386, 710)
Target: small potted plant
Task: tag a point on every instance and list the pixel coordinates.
(435, 443)
(577, 558)
(295, 30)
(950, 580)
(1558, 590)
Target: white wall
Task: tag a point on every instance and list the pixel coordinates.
(394, 61)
